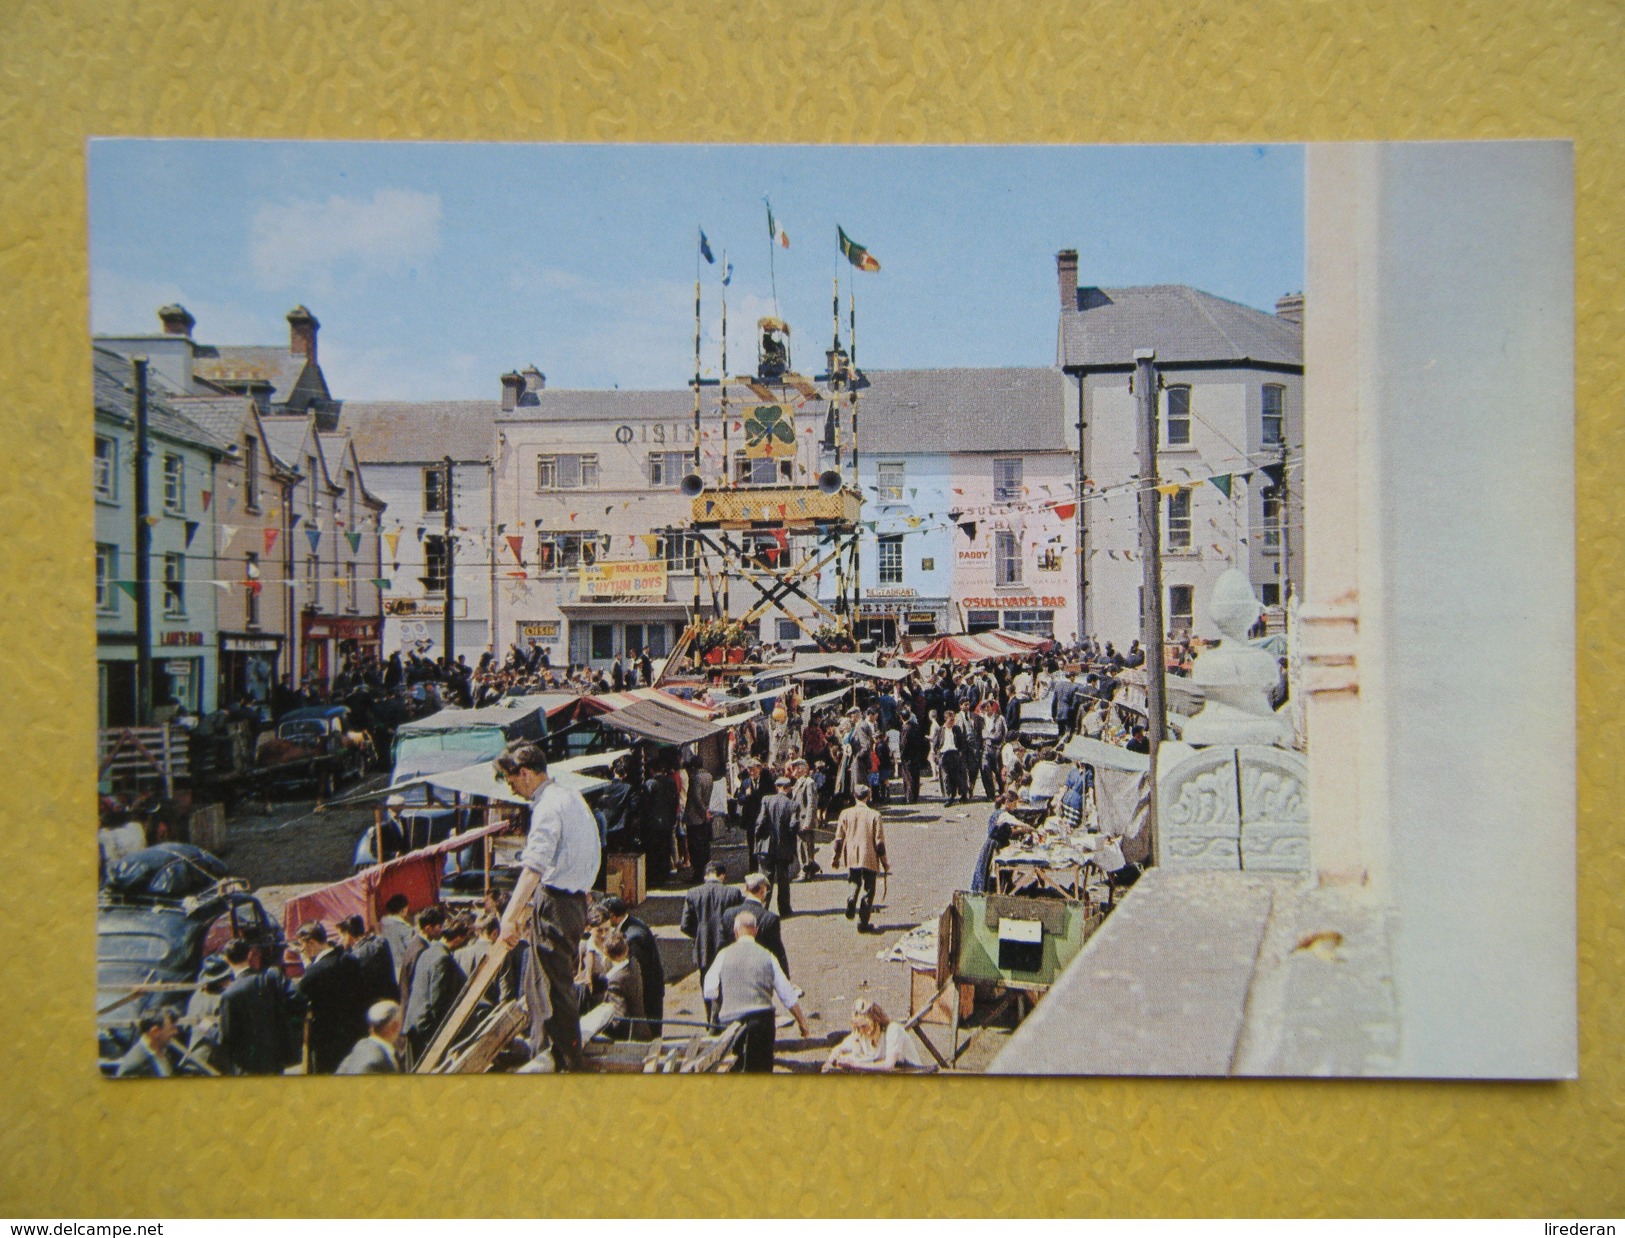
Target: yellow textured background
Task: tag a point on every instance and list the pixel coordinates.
(658, 70)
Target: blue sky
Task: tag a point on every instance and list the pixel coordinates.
(436, 267)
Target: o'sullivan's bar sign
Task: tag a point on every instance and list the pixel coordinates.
(643, 581)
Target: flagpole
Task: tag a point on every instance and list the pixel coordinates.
(772, 243)
(727, 461)
(857, 539)
(697, 356)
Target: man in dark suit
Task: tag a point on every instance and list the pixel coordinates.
(623, 991)
(379, 982)
(769, 935)
(150, 1056)
(640, 940)
(662, 806)
(777, 832)
(705, 909)
(332, 988)
(430, 981)
(376, 1053)
(619, 805)
(261, 1015)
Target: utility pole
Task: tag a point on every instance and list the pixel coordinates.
(450, 545)
(1081, 554)
(1283, 520)
(143, 550)
(1151, 632)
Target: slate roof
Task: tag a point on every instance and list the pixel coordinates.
(560, 404)
(285, 436)
(962, 410)
(110, 380)
(221, 416)
(233, 363)
(1182, 324)
(422, 433)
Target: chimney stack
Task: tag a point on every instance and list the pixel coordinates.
(176, 320)
(1066, 275)
(302, 328)
(535, 380)
(512, 385)
(1290, 308)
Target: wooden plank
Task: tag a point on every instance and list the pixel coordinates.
(494, 1033)
(477, 984)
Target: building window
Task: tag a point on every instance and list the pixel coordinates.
(310, 480)
(350, 595)
(1274, 416)
(981, 620)
(1033, 622)
(174, 484)
(666, 468)
(562, 549)
(891, 560)
(434, 563)
(1177, 421)
(251, 471)
(106, 575)
(1006, 557)
(349, 489)
(313, 582)
(106, 468)
(566, 472)
(679, 550)
(174, 586)
(1007, 481)
(603, 642)
(252, 572)
(434, 489)
(789, 631)
(1270, 594)
(1179, 521)
(1271, 498)
(1181, 608)
(749, 472)
(891, 481)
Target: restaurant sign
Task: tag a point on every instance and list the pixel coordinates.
(644, 581)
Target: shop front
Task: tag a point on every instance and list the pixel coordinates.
(885, 617)
(249, 665)
(600, 630)
(331, 643)
(1034, 613)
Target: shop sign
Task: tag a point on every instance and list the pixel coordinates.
(250, 644)
(974, 556)
(1014, 603)
(178, 666)
(546, 630)
(323, 628)
(181, 638)
(624, 579)
(893, 591)
(423, 608)
(921, 616)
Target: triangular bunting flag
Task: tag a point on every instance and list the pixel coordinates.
(516, 543)
(1169, 488)
(355, 541)
(270, 538)
(293, 522)
(380, 582)
(128, 586)
(191, 531)
(314, 537)
(1221, 483)
(1065, 510)
(392, 540)
(969, 529)
(227, 532)
(420, 532)
(207, 496)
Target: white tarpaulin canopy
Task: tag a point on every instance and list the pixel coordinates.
(1086, 751)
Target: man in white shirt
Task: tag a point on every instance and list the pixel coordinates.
(743, 982)
(557, 868)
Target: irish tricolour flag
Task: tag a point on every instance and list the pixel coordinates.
(773, 230)
(856, 254)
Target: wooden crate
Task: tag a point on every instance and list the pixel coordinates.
(624, 876)
(206, 828)
(922, 983)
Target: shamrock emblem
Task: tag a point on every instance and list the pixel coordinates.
(769, 431)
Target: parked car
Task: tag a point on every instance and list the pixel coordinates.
(161, 913)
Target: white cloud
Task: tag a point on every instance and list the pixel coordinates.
(310, 244)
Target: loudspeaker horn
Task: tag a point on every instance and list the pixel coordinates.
(829, 481)
(692, 486)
